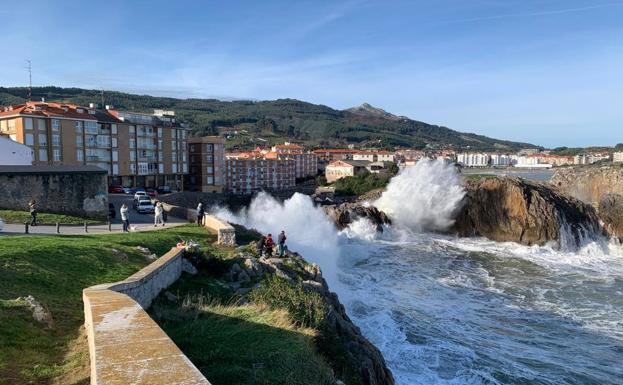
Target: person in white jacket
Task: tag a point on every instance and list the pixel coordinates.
(158, 214)
(125, 217)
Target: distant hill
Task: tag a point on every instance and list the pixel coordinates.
(251, 123)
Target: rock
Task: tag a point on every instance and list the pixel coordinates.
(314, 270)
(143, 249)
(314, 286)
(251, 264)
(170, 296)
(234, 286)
(235, 268)
(510, 209)
(188, 267)
(123, 256)
(39, 312)
(346, 213)
(243, 277)
(250, 273)
(589, 184)
(243, 291)
(611, 213)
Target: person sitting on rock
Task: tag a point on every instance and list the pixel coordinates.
(269, 244)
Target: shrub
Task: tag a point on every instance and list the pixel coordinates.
(306, 308)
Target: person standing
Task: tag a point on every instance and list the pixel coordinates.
(281, 240)
(269, 244)
(158, 214)
(125, 217)
(32, 205)
(200, 214)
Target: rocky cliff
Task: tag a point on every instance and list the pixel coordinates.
(589, 184)
(516, 210)
(346, 213)
(611, 213)
(366, 363)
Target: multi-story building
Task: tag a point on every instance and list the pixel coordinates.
(136, 149)
(589, 158)
(617, 157)
(374, 156)
(252, 171)
(13, 153)
(500, 160)
(473, 159)
(344, 168)
(207, 164)
(328, 155)
(306, 163)
(555, 160)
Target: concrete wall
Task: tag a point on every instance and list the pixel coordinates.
(226, 234)
(80, 192)
(125, 345)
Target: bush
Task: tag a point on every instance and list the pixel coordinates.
(360, 184)
(307, 309)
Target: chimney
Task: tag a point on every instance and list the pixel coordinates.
(109, 107)
(92, 105)
(43, 100)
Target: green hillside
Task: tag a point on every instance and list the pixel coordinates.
(270, 122)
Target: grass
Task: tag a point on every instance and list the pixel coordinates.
(55, 269)
(13, 216)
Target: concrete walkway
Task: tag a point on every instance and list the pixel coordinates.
(18, 229)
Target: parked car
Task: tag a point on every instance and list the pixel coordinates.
(145, 207)
(139, 194)
(151, 192)
(163, 189)
(112, 214)
(115, 189)
(141, 198)
(129, 190)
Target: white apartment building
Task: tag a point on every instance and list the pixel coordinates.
(617, 157)
(473, 159)
(501, 160)
(589, 158)
(13, 153)
(375, 156)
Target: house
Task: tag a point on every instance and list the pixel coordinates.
(344, 168)
(13, 153)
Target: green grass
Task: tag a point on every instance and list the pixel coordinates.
(55, 269)
(12, 216)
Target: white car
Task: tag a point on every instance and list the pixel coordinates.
(139, 194)
(145, 207)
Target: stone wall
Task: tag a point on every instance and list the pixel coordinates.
(80, 191)
(125, 345)
(226, 234)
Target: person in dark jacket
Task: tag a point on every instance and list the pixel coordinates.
(32, 205)
(200, 213)
(281, 240)
(261, 244)
(269, 245)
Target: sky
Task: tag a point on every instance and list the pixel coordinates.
(547, 72)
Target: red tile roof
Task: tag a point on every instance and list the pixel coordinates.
(53, 110)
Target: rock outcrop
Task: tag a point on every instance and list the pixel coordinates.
(589, 184)
(368, 359)
(611, 213)
(346, 213)
(510, 209)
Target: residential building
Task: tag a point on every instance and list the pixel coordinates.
(206, 164)
(13, 153)
(473, 159)
(306, 163)
(555, 160)
(374, 156)
(136, 149)
(328, 155)
(500, 160)
(617, 157)
(529, 161)
(583, 159)
(343, 168)
(250, 172)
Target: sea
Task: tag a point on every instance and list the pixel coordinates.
(448, 310)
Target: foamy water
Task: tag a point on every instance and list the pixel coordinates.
(445, 310)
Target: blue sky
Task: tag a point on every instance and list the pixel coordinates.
(546, 72)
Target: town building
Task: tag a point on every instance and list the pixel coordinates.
(136, 149)
(13, 153)
(374, 156)
(249, 172)
(583, 159)
(500, 160)
(617, 157)
(554, 160)
(306, 163)
(529, 161)
(206, 164)
(343, 168)
(328, 155)
(473, 159)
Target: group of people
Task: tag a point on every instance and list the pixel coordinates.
(267, 245)
(159, 216)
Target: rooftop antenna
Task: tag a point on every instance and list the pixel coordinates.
(102, 106)
(29, 68)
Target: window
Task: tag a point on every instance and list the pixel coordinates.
(185, 168)
(90, 126)
(210, 180)
(209, 157)
(160, 132)
(133, 168)
(209, 147)
(43, 140)
(132, 130)
(10, 125)
(174, 168)
(57, 154)
(132, 143)
(43, 155)
(113, 128)
(56, 140)
(174, 156)
(115, 156)
(174, 144)
(160, 145)
(132, 155)
(56, 125)
(41, 124)
(115, 169)
(28, 124)
(79, 155)
(210, 170)
(161, 168)
(79, 127)
(30, 141)
(114, 142)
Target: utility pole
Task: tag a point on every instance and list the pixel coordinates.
(29, 68)
(102, 106)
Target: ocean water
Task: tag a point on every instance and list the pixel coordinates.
(446, 310)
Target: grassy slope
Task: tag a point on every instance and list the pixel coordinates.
(12, 216)
(54, 270)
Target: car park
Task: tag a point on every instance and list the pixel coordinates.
(139, 194)
(151, 192)
(115, 189)
(145, 207)
(142, 198)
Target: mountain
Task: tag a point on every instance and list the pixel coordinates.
(249, 123)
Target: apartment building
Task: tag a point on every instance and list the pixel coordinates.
(328, 155)
(306, 163)
(207, 164)
(344, 168)
(473, 159)
(250, 172)
(374, 156)
(136, 149)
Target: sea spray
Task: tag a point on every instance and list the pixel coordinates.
(308, 229)
(423, 197)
